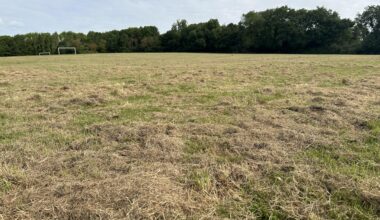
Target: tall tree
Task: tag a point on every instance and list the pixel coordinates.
(278, 30)
(369, 26)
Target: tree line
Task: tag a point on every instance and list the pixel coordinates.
(279, 30)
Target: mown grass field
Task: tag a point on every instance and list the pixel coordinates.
(190, 136)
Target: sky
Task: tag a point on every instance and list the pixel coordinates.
(24, 16)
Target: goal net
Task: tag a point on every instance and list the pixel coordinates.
(43, 53)
(60, 49)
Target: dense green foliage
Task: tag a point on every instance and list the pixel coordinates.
(280, 30)
(369, 26)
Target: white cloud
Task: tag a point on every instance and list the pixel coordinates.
(16, 24)
(5, 23)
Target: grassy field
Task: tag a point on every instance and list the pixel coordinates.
(195, 136)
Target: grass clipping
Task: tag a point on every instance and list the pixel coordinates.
(190, 136)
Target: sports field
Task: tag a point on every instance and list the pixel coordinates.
(190, 136)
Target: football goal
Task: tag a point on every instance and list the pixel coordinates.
(67, 48)
(43, 53)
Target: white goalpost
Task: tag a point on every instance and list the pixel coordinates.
(67, 48)
(43, 53)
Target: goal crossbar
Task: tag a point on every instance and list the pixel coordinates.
(67, 48)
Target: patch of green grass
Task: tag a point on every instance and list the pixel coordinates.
(265, 98)
(139, 98)
(139, 114)
(333, 82)
(263, 208)
(186, 88)
(195, 146)
(358, 161)
(274, 78)
(229, 158)
(87, 118)
(348, 203)
(206, 99)
(279, 177)
(174, 89)
(354, 159)
(53, 140)
(11, 126)
(374, 126)
(9, 136)
(231, 209)
(5, 185)
(3, 119)
(224, 211)
(200, 180)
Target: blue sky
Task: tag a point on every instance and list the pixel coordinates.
(23, 16)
